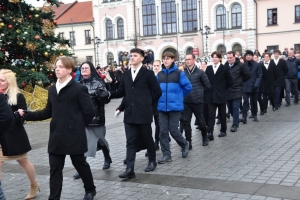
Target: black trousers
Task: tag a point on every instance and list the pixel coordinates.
(145, 131)
(156, 122)
(212, 117)
(188, 111)
(57, 163)
(266, 98)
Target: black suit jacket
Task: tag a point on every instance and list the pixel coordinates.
(252, 85)
(6, 116)
(219, 82)
(141, 95)
(269, 77)
(282, 70)
(71, 110)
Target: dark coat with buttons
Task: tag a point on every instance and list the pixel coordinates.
(269, 77)
(252, 85)
(141, 95)
(6, 117)
(282, 71)
(15, 141)
(71, 110)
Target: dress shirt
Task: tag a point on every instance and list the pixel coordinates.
(134, 72)
(59, 85)
(216, 67)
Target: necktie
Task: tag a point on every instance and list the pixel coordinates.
(266, 63)
(134, 71)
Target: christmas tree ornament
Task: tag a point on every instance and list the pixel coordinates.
(31, 9)
(23, 84)
(46, 54)
(55, 22)
(47, 7)
(50, 75)
(14, 1)
(37, 9)
(37, 37)
(18, 31)
(48, 46)
(29, 16)
(32, 69)
(2, 24)
(9, 26)
(36, 15)
(39, 83)
(20, 44)
(30, 46)
(2, 49)
(61, 54)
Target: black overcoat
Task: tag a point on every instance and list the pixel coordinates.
(269, 77)
(282, 70)
(71, 110)
(252, 85)
(6, 117)
(15, 140)
(219, 82)
(141, 95)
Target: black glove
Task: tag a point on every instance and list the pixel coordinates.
(102, 94)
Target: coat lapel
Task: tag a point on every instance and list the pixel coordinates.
(219, 70)
(140, 73)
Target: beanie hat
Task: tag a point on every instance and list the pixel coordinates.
(249, 52)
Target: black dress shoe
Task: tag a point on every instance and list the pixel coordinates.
(151, 166)
(255, 118)
(274, 109)
(190, 145)
(244, 121)
(156, 145)
(261, 113)
(251, 116)
(125, 162)
(185, 150)
(107, 164)
(218, 122)
(129, 173)
(287, 104)
(165, 159)
(76, 176)
(233, 128)
(89, 196)
(210, 136)
(146, 154)
(205, 141)
(222, 134)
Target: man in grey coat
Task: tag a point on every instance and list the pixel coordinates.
(193, 102)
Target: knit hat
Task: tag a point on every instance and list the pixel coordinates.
(249, 52)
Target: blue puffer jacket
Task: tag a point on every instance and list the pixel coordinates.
(174, 86)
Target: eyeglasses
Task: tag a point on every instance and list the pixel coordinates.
(85, 68)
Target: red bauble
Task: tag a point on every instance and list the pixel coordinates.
(9, 26)
(29, 16)
(55, 22)
(2, 49)
(34, 52)
(1, 8)
(45, 35)
(50, 75)
(23, 84)
(37, 37)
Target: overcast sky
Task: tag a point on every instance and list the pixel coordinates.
(40, 3)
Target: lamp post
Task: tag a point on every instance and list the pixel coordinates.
(96, 42)
(207, 29)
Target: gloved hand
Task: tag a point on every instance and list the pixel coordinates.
(102, 94)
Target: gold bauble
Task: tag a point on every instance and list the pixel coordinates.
(39, 83)
(20, 43)
(14, 1)
(31, 9)
(36, 15)
(61, 54)
(46, 54)
(15, 74)
(32, 69)
(2, 24)
(18, 31)
(37, 9)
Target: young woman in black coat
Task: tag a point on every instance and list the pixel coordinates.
(14, 142)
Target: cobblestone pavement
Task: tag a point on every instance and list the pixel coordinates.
(259, 161)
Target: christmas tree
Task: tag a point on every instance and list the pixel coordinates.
(28, 43)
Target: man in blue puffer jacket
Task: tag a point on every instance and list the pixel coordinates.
(174, 85)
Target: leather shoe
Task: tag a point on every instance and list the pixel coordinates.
(190, 145)
(151, 166)
(251, 116)
(204, 141)
(107, 164)
(287, 104)
(222, 134)
(244, 121)
(156, 145)
(255, 118)
(129, 173)
(165, 159)
(218, 122)
(185, 150)
(146, 154)
(76, 176)
(233, 128)
(90, 195)
(125, 162)
(210, 136)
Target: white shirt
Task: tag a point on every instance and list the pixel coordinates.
(134, 72)
(267, 65)
(276, 61)
(215, 67)
(59, 85)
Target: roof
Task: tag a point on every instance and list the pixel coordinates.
(77, 12)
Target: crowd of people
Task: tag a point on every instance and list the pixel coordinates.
(168, 93)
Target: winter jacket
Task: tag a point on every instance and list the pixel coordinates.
(174, 85)
(292, 65)
(252, 85)
(6, 117)
(239, 74)
(200, 82)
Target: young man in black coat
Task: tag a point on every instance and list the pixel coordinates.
(270, 75)
(220, 80)
(251, 87)
(279, 82)
(71, 109)
(142, 91)
(239, 73)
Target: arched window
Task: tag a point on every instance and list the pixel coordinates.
(237, 47)
(189, 15)
(222, 49)
(120, 27)
(149, 17)
(109, 29)
(221, 17)
(189, 50)
(172, 50)
(236, 16)
(168, 13)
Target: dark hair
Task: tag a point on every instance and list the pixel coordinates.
(168, 54)
(94, 73)
(204, 61)
(98, 67)
(217, 53)
(243, 58)
(189, 54)
(277, 51)
(138, 50)
(231, 52)
(267, 53)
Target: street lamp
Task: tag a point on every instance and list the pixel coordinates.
(96, 42)
(207, 29)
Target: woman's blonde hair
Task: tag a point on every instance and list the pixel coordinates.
(12, 89)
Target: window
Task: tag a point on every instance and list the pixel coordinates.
(297, 14)
(222, 49)
(109, 29)
(272, 16)
(89, 58)
(297, 47)
(149, 17)
(120, 28)
(168, 12)
(236, 16)
(237, 47)
(72, 38)
(272, 48)
(221, 17)
(61, 35)
(189, 15)
(87, 34)
(189, 50)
